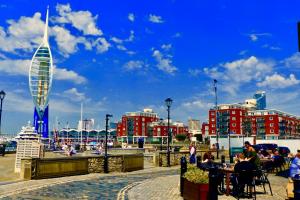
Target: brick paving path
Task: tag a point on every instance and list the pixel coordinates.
(167, 188)
(91, 186)
(159, 188)
(151, 183)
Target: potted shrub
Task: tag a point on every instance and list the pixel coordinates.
(195, 186)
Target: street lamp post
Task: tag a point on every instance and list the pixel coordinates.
(216, 104)
(106, 132)
(229, 138)
(161, 138)
(2, 95)
(168, 102)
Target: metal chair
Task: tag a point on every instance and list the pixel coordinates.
(246, 178)
(261, 179)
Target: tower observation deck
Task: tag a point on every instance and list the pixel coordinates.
(40, 81)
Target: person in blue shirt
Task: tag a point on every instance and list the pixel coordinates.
(295, 167)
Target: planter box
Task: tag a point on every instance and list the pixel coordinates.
(195, 191)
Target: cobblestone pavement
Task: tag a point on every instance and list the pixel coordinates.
(92, 186)
(158, 188)
(167, 188)
(152, 183)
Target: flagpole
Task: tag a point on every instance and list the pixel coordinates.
(81, 126)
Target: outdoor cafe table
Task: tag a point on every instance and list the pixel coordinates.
(228, 172)
(266, 163)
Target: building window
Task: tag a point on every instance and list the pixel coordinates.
(212, 113)
(213, 131)
(272, 131)
(233, 125)
(233, 112)
(143, 119)
(233, 118)
(212, 125)
(271, 125)
(212, 119)
(270, 118)
(241, 113)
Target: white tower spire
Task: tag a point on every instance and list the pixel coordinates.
(45, 40)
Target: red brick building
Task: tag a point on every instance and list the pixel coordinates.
(146, 124)
(160, 129)
(135, 125)
(241, 119)
(229, 118)
(273, 124)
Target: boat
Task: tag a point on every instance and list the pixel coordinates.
(28, 132)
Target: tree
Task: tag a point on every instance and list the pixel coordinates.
(199, 137)
(180, 137)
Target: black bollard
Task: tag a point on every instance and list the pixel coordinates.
(183, 164)
(199, 159)
(223, 159)
(213, 183)
(296, 188)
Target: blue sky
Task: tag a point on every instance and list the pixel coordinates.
(126, 55)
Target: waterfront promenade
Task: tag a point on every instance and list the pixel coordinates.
(151, 183)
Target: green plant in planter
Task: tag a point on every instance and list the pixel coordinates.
(196, 175)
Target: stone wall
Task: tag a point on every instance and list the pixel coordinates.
(38, 168)
(160, 158)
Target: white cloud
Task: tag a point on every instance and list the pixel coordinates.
(243, 52)
(131, 17)
(15, 101)
(255, 36)
(68, 75)
(24, 34)
(121, 47)
(194, 72)
(163, 63)
(166, 47)
(116, 40)
(176, 35)
(131, 37)
(197, 104)
(293, 61)
(67, 43)
(274, 48)
(21, 67)
(81, 20)
(134, 65)
(102, 45)
(278, 81)
(155, 19)
(235, 73)
(74, 95)
(15, 67)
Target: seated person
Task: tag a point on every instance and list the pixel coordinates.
(239, 179)
(295, 167)
(276, 155)
(260, 154)
(208, 157)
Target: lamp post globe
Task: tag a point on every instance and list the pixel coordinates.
(2, 95)
(168, 102)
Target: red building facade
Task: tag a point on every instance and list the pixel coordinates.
(146, 124)
(242, 120)
(135, 125)
(229, 118)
